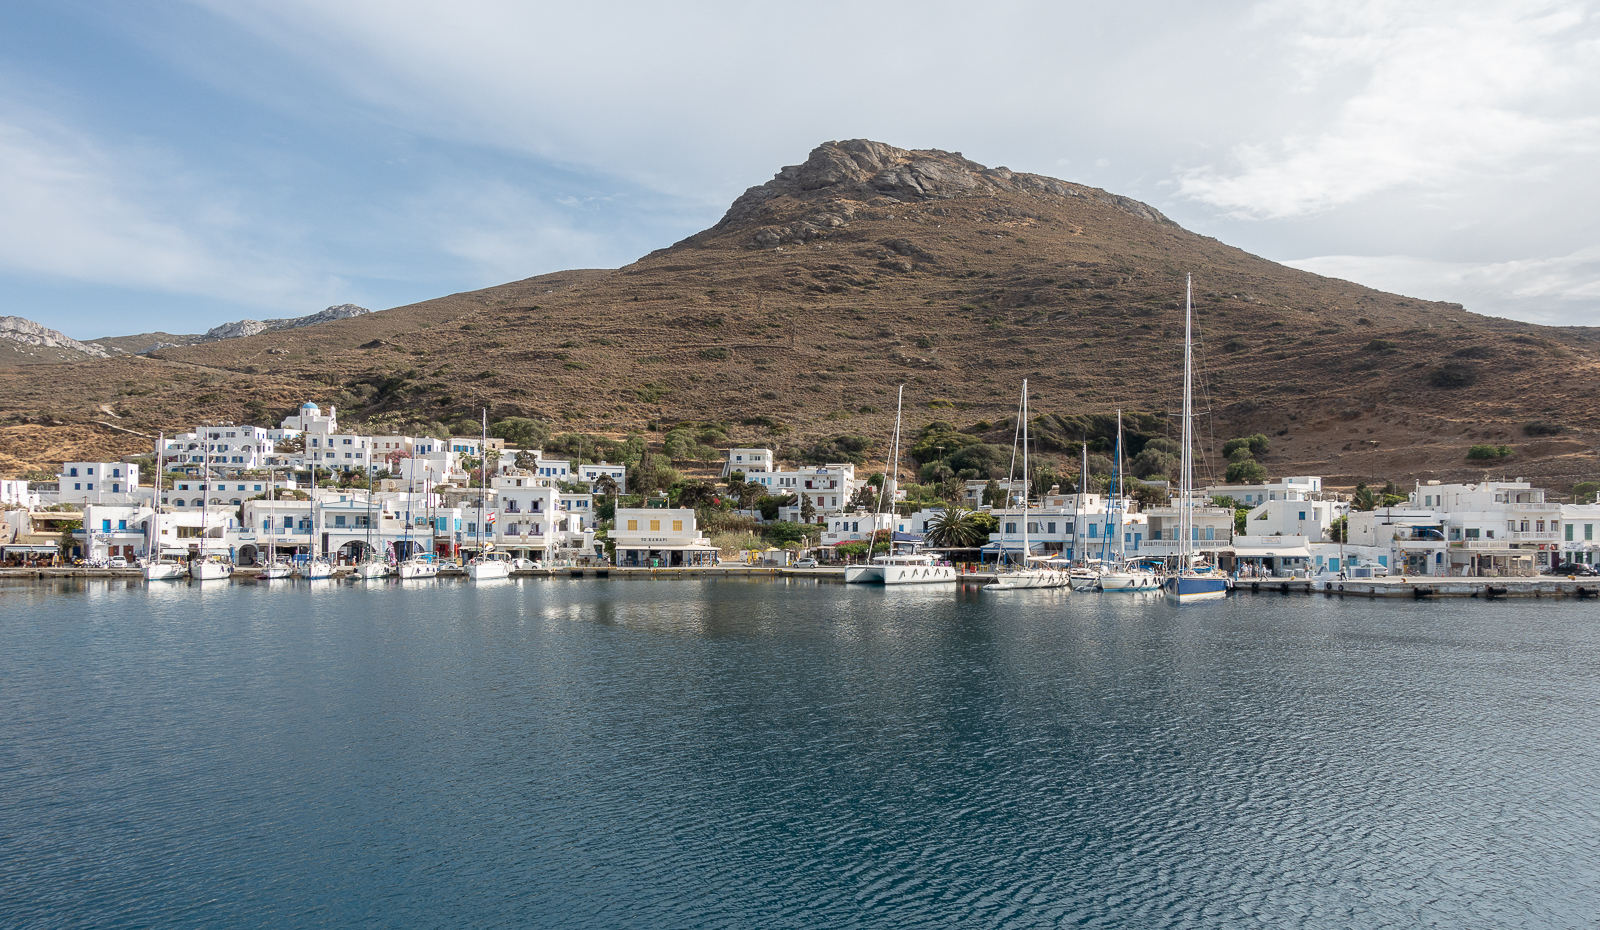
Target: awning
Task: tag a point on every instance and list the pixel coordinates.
(1283, 552)
(27, 549)
(1012, 547)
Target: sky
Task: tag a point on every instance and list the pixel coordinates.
(176, 164)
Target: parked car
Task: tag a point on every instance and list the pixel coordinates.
(525, 565)
(1574, 568)
(806, 563)
(117, 561)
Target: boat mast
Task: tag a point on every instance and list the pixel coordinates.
(1077, 509)
(890, 478)
(1186, 478)
(1025, 550)
(483, 481)
(152, 547)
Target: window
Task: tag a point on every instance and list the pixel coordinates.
(77, 486)
(1539, 526)
(338, 520)
(122, 524)
(655, 526)
(677, 526)
(88, 471)
(72, 473)
(90, 487)
(1052, 527)
(1011, 528)
(1472, 532)
(1302, 514)
(633, 525)
(1588, 532)
(105, 526)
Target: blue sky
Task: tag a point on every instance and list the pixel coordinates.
(177, 164)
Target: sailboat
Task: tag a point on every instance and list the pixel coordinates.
(318, 566)
(417, 564)
(274, 567)
(1032, 571)
(1188, 585)
(894, 568)
(1127, 574)
(208, 566)
(486, 565)
(157, 566)
(371, 567)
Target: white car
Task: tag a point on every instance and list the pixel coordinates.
(806, 563)
(525, 565)
(117, 562)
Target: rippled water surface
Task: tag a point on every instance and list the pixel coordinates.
(744, 753)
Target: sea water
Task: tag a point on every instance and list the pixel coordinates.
(754, 753)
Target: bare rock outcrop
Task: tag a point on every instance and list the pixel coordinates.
(26, 332)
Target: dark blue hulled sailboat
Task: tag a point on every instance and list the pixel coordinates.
(1187, 584)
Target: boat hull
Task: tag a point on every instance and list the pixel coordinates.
(210, 571)
(1187, 589)
(863, 574)
(918, 574)
(488, 571)
(372, 570)
(275, 570)
(165, 571)
(1129, 581)
(410, 571)
(318, 570)
(1029, 579)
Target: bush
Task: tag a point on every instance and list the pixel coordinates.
(1452, 375)
(1543, 428)
(1379, 345)
(1247, 471)
(521, 432)
(1256, 444)
(1584, 492)
(1483, 453)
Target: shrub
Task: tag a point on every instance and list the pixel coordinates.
(1256, 444)
(1543, 428)
(1483, 453)
(1247, 471)
(1452, 375)
(1584, 492)
(1379, 345)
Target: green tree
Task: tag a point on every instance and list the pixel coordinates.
(955, 527)
(1247, 471)
(1363, 499)
(65, 543)
(1584, 492)
(1339, 530)
(784, 533)
(521, 432)
(808, 510)
(992, 495)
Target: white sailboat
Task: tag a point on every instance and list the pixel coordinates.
(371, 567)
(318, 566)
(418, 564)
(213, 565)
(1123, 574)
(274, 566)
(486, 565)
(1031, 571)
(1188, 585)
(157, 566)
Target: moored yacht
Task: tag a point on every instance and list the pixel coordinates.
(210, 568)
(488, 566)
(423, 565)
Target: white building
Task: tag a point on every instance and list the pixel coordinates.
(664, 537)
(1294, 517)
(1579, 542)
(1298, 488)
(17, 494)
(747, 461)
(829, 488)
(591, 472)
(97, 482)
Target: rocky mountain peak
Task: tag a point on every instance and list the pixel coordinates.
(838, 177)
(26, 332)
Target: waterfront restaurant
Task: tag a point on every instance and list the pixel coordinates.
(660, 537)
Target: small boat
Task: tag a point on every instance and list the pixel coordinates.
(317, 568)
(1132, 575)
(164, 569)
(210, 568)
(488, 566)
(418, 566)
(1188, 584)
(277, 568)
(372, 569)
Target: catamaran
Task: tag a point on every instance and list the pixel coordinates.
(893, 567)
(1187, 584)
(1031, 571)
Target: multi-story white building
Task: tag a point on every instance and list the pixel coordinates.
(17, 494)
(1306, 517)
(97, 482)
(1211, 533)
(591, 472)
(747, 461)
(192, 493)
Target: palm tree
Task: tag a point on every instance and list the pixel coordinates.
(956, 528)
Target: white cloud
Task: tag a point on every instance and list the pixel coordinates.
(80, 212)
(1449, 94)
(1559, 291)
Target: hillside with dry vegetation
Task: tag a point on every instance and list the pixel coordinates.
(794, 318)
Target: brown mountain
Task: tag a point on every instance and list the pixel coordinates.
(870, 266)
